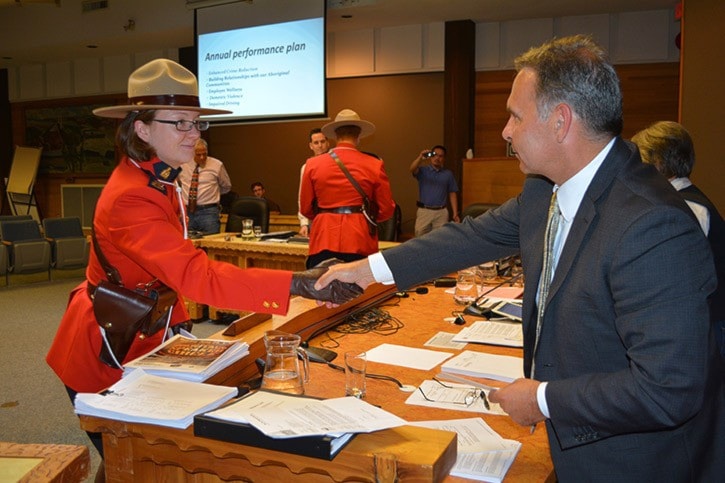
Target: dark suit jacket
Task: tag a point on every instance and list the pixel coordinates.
(635, 387)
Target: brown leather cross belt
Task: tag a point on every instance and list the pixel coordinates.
(342, 210)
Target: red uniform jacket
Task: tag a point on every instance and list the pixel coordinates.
(137, 224)
(324, 181)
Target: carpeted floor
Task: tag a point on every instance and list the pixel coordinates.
(34, 407)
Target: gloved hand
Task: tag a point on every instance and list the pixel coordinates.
(303, 283)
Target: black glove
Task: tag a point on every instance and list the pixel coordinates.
(303, 283)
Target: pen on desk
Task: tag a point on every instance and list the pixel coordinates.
(485, 399)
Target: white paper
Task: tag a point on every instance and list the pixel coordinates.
(283, 416)
(490, 466)
(474, 435)
(145, 398)
(399, 355)
(492, 332)
(474, 460)
(451, 397)
(444, 340)
(480, 364)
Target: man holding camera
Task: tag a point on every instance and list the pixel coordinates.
(436, 186)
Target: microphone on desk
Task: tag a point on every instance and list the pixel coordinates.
(418, 290)
(474, 308)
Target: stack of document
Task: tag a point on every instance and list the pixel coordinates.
(279, 415)
(482, 453)
(189, 359)
(490, 366)
(294, 424)
(492, 332)
(144, 398)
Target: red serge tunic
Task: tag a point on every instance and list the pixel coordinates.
(324, 181)
(138, 228)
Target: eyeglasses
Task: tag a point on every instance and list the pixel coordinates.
(184, 125)
(459, 395)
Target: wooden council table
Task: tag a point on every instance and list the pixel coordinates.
(137, 452)
(226, 247)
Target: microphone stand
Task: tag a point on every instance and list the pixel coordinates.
(474, 309)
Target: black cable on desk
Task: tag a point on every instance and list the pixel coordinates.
(371, 376)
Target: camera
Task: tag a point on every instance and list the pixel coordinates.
(429, 154)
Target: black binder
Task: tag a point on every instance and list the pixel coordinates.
(277, 234)
(323, 447)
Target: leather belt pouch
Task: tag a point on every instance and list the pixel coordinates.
(123, 312)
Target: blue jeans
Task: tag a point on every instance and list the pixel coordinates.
(205, 220)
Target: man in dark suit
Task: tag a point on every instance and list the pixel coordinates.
(614, 363)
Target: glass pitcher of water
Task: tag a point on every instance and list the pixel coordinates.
(282, 368)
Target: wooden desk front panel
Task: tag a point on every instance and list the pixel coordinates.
(141, 452)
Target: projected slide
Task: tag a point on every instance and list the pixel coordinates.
(272, 70)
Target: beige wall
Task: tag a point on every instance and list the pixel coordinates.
(703, 93)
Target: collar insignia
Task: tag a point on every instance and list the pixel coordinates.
(165, 172)
(157, 185)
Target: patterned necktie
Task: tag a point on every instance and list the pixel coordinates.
(193, 189)
(552, 226)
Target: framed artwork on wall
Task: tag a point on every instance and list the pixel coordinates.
(74, 141)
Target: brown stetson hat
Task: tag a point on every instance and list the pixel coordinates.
(160, 84)
(348, 117)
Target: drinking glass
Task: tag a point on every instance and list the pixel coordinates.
(355, 363)
(489, 271)
(466, 287)
(247, 228)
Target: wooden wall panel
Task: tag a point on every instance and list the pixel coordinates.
(703, 96)
(650, 94)
(491, 180)
(492, 90)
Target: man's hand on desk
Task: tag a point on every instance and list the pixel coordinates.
(357, 273)
(518, 399)
(337, 292)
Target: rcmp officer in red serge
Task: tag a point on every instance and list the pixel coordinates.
(140, 227)
(328, 197)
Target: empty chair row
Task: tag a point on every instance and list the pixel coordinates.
(25, 249)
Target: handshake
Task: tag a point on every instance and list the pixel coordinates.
(337, 292)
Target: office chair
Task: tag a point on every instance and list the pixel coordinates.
(15, 217)
(69, 245)
(28, 251)
(389, 230)
(4, 261)
(477, 209)
(248, 207)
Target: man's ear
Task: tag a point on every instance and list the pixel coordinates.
(562, 117)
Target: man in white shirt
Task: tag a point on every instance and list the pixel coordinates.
(211, 180)
(609, 362)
